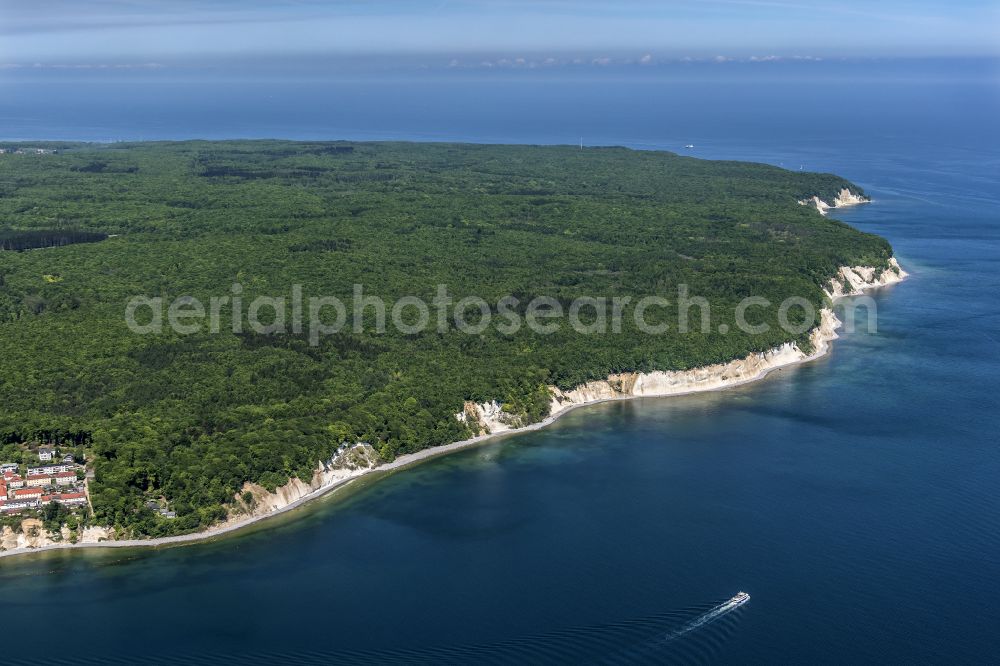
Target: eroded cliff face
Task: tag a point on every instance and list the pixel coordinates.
(706, 378)
(488, 417)
(33, 535)
(854, 280)
(843, 199)
(850, 280)
(348, 462)
(11, 540)
(95, 534)
(663, 383)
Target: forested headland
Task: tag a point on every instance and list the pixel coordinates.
(190, 418)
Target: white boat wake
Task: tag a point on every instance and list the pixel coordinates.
(710, 616)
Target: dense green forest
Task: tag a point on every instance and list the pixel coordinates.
(192, 417)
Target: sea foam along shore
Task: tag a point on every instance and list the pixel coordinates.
(355, 461)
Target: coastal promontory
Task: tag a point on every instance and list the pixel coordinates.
(198, 323)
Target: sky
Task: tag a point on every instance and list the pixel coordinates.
(489, 33)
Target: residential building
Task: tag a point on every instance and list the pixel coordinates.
(7, 506)
(52, 469)
(8, 467)
(66, 499)
(38, 480)
(45, 454)
(13, 480)
(27, 493)
(73, 498)
(65, 478)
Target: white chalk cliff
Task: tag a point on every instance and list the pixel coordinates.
(843, 199)
(488, 417)
(850, 281)
(853, 280)
(348, 462)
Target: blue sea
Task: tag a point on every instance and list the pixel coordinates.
(856, 498)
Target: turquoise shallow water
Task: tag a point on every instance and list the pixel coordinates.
(855, 498)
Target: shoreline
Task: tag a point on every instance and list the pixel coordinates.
(825, 332)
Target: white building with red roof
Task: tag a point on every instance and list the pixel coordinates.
(67, 499)
(12, 480)
(65, 478)
(26, 493)
(38, 480)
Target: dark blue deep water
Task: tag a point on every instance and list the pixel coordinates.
(857, 499)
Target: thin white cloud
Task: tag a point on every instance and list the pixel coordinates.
(160, 29)
(81, 65)
(603, 61)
